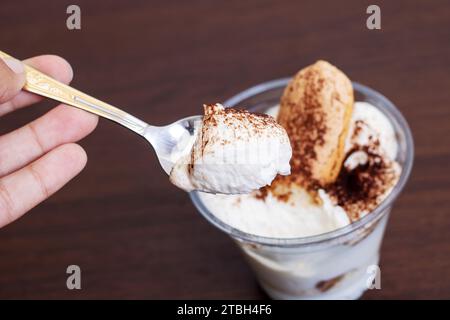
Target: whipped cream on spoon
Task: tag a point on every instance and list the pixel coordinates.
(234, 151)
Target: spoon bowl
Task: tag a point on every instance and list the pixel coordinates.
(173, 141)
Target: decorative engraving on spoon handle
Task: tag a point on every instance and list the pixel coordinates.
(43, 85)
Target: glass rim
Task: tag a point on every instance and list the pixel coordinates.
(370, 217)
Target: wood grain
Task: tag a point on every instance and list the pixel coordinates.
(133, 233)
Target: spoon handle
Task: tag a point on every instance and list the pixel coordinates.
(43, 85)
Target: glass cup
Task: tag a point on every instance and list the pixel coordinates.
(340, 264)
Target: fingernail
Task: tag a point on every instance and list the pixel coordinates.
(15, 65)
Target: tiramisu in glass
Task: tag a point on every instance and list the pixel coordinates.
(316, 233)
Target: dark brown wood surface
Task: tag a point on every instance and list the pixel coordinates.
(133, 234)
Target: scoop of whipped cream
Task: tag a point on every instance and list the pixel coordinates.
(234, 152)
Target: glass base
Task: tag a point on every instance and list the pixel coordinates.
(350, 287)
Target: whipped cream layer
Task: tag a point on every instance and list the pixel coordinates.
(369, 167)
(234, 152)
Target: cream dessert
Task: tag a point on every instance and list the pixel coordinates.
(234, 152)
(368, 173)
(343, 162)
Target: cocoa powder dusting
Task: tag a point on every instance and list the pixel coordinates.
(358, 190)
(261, 194)
(280, 195)
(238, 120)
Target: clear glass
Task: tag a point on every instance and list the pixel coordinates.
(333, 265)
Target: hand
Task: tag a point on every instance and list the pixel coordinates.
(39, 158)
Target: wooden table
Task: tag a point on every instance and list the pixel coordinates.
(133, 234)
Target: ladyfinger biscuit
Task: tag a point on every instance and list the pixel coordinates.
(315, 110)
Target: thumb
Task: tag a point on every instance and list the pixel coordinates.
(12, 78)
